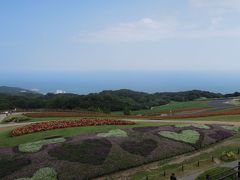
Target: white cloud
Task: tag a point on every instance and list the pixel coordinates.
(220, 14)
(60, 92)
(35, 90)
(145, 29)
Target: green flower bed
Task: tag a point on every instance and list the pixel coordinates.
(233, 128)
(114, 133)
(188, 136)
(218, 173)
(37, 145)
(202, 126)
(43, 173)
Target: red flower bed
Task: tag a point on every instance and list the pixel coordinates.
(219, 113)
(48, 125)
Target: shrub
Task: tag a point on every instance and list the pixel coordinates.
(48, 125)
(43, 173)
(10, 165)
(143, 148)
(114, 133)
(90, 151)
(228, 156)
(218, 173)
(126, 111)
(188, 136)
(37, 145)
(202, 126)
(15, 118)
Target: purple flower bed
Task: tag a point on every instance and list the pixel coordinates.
(220, 135)
(220, 103)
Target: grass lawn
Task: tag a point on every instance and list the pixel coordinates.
(7, 141)
(175, 105)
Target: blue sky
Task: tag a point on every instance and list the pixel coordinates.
(62, 38)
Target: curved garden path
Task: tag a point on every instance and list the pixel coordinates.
(234, 123)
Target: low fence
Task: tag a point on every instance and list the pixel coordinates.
(186, 166)
(233, 173)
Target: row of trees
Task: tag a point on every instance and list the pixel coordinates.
(105, 101)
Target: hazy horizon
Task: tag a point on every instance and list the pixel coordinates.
(90, 82)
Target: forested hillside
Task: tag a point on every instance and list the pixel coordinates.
(105, 101)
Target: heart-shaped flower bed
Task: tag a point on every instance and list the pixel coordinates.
(233, 128)
(201, 126)
(37, 145)
(89, 151)
(188, 136)
(143, 148)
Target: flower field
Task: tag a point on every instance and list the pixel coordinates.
(193, 112)
(91, 155)
(48, 125)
